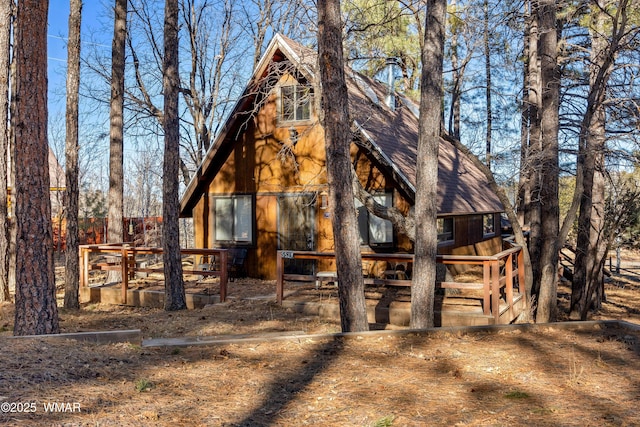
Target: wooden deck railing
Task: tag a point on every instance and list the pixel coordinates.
(124, 251)
(500, 271)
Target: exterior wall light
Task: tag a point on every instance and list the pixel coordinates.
(324, 200)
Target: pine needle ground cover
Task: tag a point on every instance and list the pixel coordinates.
(540, 376)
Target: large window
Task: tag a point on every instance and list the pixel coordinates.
(233, 219)
(445, 230)
(296, 101)
(375, 231)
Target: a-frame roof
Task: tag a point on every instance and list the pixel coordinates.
(390, 135)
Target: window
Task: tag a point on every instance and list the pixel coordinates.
(375, 231)
(234, 219)
(445, 230)
(296, 101)
(488, 224)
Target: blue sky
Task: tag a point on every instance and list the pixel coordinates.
(93, 12)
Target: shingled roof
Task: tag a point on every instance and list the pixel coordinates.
(393, 132)
(390, 135)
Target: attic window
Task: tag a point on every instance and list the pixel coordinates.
(295, 103)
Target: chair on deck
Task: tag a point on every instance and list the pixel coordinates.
(235, 263)
(397, 270)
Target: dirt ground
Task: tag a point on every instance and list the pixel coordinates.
(542, 375)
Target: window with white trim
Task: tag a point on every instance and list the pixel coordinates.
(233, 219)
(375, 231)
(295, 103)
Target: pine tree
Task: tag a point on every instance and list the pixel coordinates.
(36, 311)
(353, 314)
(72, 267)
(174, 296)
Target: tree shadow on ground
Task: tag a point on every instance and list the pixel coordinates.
(284, 387)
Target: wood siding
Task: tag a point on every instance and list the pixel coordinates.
(468, 229)
(263, 163)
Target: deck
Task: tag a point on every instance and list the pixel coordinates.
(210, 263)
(489, 291)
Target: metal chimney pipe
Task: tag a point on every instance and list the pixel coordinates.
(391, 95)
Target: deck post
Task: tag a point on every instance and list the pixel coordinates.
(486, 278)
(224, 274)
(133, 264)
(84, 267)
(124, 266)
(495, 290)
(279, 278)
(509, 284)
(521, 286)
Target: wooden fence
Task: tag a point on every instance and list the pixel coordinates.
(117, 252)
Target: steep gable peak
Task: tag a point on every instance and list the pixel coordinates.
(282, 49)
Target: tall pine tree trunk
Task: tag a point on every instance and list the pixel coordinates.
(426, 209)
(549, 170)
(72, 262)
(487, 70)
(524, 194)
(5, 46)
(456, 77)
(116, 132)
(174, 295)
(591, 244)
(36, 310)
(353, 314)
(597, 240)
(530, 168)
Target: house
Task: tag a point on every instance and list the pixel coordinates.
(263, 185)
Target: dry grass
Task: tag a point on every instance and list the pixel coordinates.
(546, 376)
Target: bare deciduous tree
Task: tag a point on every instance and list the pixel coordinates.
(488, 71)
(203, 93)
(262, 17)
